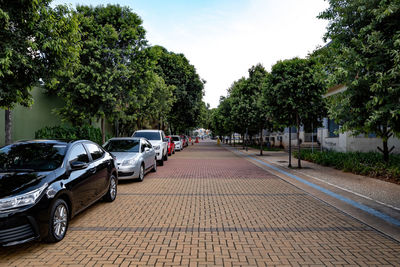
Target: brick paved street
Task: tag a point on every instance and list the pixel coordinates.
(207, 206)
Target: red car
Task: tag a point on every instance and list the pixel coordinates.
(171, 146)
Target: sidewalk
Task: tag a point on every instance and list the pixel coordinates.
(372, 201)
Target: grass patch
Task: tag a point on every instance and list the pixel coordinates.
(368, 164)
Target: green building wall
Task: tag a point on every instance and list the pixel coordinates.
(26, 121)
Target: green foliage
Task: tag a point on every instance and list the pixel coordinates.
(68, 132)
(37, 42)
(248, 112)
(176, 71)
(113, 69)
(294, 91)
(368, 164)
(364, 56)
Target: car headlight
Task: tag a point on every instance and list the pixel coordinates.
(129, 162)
(22, 200)
(157, 147)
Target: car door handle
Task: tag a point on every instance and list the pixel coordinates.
(92, 170)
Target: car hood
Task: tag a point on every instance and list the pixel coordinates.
(121, 156)
(12, 183)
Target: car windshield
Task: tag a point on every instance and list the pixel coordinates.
(32, 156)
(123, 145)
(148, 135)
(175, 138)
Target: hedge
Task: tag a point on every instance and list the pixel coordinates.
(67, 132)
(368, 164)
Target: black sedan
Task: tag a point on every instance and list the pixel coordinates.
(45, 183)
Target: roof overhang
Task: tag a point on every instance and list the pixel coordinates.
(335, 90)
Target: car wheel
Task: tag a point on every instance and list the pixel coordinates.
(161, 162)
(173, 152)
(58, 222)
(166, 157)
(112, 189)
(154, 166)
(141, 173)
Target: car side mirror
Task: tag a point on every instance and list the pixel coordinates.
(166, 140)
(146, 149)
(78, 165)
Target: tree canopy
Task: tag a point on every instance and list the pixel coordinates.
(364, 55)
(38, 43)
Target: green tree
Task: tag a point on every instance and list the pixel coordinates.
(365, 56)
(255, 83)
(221, 118)
(205, 116)
(37, 43)
(108, 80)
(176, 70)
(293, 94)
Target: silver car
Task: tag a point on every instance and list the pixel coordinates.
(135, 156)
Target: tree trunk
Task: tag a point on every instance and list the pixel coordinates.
(8, 125)
(103, 130)
(290, 147)
(261, 143)
(385, 150)
(298, 142)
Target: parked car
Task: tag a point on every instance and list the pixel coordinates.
(135, 156)
(185, 140)
(171, 146)
(45, 183)
(159, 142)
(178, 142)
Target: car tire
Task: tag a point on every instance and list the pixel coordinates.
(154, 166)
(58, 221)
(161, 162)
(166, 157)
(112, 189)
(173, 152)
(141, 173)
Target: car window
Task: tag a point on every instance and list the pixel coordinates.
(121, 145)
(175, 138)
(148, 135)
(34, 156)
(78, 153)
(95, 151)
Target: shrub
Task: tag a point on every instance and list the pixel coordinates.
(369, 164)
(67, 132)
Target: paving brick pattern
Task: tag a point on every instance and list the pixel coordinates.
(208, 207)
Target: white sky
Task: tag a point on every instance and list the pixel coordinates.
(223, 39)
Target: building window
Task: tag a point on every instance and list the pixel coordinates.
(333, 128)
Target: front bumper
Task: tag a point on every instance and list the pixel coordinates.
(24, 224)
(128, 172)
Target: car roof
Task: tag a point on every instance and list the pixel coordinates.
(148, 131)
